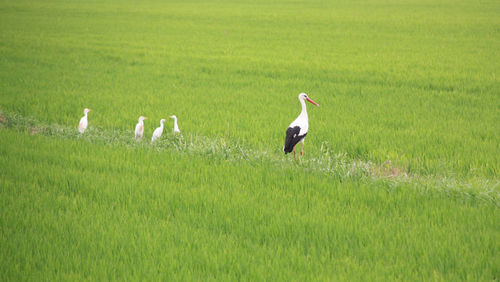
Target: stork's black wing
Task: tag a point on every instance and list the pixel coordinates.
(292, 138)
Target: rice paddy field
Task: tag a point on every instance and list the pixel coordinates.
(400, 174)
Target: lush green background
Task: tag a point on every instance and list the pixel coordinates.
(411, 82)
(67, 213)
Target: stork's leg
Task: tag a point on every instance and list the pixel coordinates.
(294, 155)
(302, 147)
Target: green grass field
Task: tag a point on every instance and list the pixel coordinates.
(400, 177)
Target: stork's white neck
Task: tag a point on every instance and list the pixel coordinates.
(303, 113)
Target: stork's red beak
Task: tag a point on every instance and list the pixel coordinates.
(312, 102)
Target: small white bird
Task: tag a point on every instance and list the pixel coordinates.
(158, 131)
(83, 121)
(297, 130)
(176, 127)
(139, 128)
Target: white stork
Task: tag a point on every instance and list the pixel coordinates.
(158, 131)
(297, 130)
(139, 128)
(82, 126)
(176, 127)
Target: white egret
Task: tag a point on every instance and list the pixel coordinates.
(176, 127)
(158, 131)
(83, 121)
(139, 128)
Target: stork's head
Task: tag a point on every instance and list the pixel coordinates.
(141, 118)
(85, 111)
(162, 120)
(174, 117)
(303, 96)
